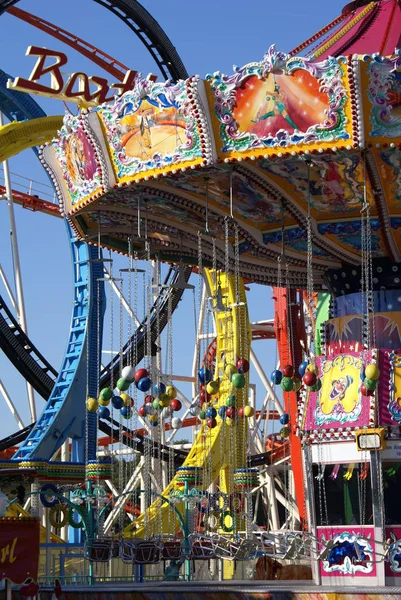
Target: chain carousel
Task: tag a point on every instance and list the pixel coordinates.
(286, 173)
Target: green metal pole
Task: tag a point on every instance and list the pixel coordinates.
(185, 532)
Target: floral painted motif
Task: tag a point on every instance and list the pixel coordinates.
(78, 159)
(349, 555)
(151, 127)
(326, 76)
(384, 91)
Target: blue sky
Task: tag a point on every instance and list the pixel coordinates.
(209, 35)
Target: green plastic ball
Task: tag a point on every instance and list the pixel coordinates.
(317, 387)
(371, 384)
(238, 380)
(231, 401)
(287, 384)
(106, 394)
(202, 414)
(123, 384)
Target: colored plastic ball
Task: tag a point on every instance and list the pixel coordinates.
(230, 370)
(229, 421)
(128, 401)
(106, 394)
(241, 412)
(117, 402)
(140, 374)
(288, 371)
(153, 418)
(212, 387)
(276, 377)
(309, 378)
(142, 411)
(126, 412)
(154, 423)
(222, 412)
(149, 410)
(103, 412)
(203, 395)
(211, 423)
(123, 384)
(128, 373)
(164, 401)
(202, 414)
(175, 404)
(159, 388)
(313, 369)
(238, 380)
(103, 402)
(176, 423)
(297, 384)
(242, 365)
(284, 418)
(171, 392)
(362, 374)
(211, 413)
(144, 384)
(318, 385)
(249, 411)
(205, 375)
(366, 392)
(156, 403)
(148, 399)
(372, 372)
(285, 432)
(370, 384)
(302, 368)
(194, 410)
(231, 401)
(231, 412)
(92, 404)
(287, 384)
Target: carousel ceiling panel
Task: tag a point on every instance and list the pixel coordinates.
(336, 183)
(347, 235)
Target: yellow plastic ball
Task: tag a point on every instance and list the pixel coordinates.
(248, 411)
(212, 387)
(312, 368)
(153, 418)
(229, 421)
(230, 370)
(165, 400)
(372, 372)
(92, 404)
(103, 402)
(126, 399)
(171, 392)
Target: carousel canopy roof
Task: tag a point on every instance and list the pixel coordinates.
(288, 133)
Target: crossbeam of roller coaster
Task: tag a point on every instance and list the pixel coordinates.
(100, 58)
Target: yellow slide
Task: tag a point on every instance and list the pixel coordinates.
(20, 135)
(211, 449)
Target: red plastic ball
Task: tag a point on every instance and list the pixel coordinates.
(175, 404)
(203, 395)
(211, 423)
(288, 371)
(141, 411)
(240, 412)
(231, 412)
(365, 391)
(148, 399)
(242, 365)
(140, 374)
(309, 378)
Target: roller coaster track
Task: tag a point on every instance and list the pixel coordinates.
(146, 28)
(20, 106)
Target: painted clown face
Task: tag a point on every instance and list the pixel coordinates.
(338, 396)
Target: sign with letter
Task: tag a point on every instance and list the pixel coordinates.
(19, 549)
